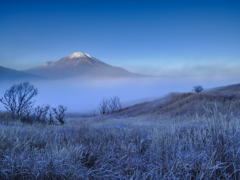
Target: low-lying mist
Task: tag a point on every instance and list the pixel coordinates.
(84, 96)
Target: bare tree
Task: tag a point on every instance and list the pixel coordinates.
(197, 89)
(50, 119)
(103, 106)
(60, 113)
(115, 104)
(41, 112)
(17, 99)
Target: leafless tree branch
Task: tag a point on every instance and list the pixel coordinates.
(103, 106)
(60, 113)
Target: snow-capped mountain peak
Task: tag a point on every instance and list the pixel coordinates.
(78, 55)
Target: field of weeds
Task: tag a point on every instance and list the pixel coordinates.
(151, 146)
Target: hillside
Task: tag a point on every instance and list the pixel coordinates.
(177, 104)
(229, 88)
(7, 74)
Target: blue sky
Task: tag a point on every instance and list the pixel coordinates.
(166, 38)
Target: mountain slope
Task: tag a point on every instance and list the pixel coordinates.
(7, 74)
(76, 65)
(176, 104)
(228, 88)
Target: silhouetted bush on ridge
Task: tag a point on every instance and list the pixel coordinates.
(198, 88)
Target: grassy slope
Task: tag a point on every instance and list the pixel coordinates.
(171, 138)
(186, 103)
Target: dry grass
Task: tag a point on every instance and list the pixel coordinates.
(230, 88)
(178, 104)
(203, 144)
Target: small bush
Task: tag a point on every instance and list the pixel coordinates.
(110, 105)
(4, 117)
(30, 119)
(198, 89)
(27, 119)
(103, 106)
(41, 112)
(60, 113)
(115, 104)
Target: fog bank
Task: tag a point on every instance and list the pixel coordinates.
(85, 95)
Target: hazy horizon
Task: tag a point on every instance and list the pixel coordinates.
(84, 95)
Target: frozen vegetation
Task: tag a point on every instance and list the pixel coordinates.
(184, 136)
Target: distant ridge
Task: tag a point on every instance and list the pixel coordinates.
(7, 74)
(79, 64)
(175, 104)
(228, 88)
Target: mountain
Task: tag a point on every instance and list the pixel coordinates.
(79, 64)
(7, 74)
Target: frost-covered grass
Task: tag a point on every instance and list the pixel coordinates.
(202, 146)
